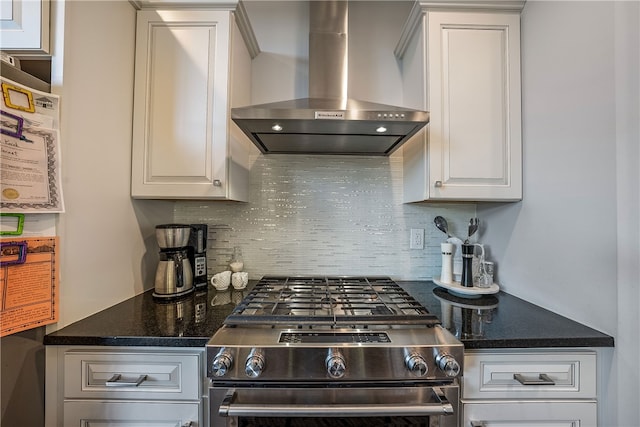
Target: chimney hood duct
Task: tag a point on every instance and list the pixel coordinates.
(328, 122)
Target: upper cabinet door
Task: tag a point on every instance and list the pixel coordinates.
(24, 26)
(182, 138)
(472, 147)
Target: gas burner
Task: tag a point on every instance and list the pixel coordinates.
(338, 301)
(381, 309)
(328, 302)
(286, 293)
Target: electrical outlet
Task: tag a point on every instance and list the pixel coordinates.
(416, 241)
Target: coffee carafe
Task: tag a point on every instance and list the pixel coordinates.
(174, 275)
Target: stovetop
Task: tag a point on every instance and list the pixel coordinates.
(331, 301)
(340, 328)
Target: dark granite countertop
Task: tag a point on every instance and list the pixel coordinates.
(492, 321)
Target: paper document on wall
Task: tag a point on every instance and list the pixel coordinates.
(29, 279)
(30, 159)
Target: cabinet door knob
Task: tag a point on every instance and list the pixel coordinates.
(438, 184)
(217, 183)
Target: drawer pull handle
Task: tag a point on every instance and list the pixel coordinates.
(115, 381)
(543, 379)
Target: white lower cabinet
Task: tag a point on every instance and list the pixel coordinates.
(125, 386)
(130, 414)
(530, 414)
(529, 387)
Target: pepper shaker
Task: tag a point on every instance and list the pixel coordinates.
(467, 265)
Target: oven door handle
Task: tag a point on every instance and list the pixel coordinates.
(230, 407)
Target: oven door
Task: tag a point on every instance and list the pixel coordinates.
(336, 406)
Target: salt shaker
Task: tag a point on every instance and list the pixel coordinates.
(446, 275)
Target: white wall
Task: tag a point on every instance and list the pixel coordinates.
(562, 236)
(103, 233)
(283, 60)
(571, 245)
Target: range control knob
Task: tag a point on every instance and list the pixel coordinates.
(336, 366)
(222, 362)
(254, 365)
(448, 364)
(415, 363)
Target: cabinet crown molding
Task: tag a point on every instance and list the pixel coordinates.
(493, 5)
(246, 30)
(187, 4)
(420, 8)
(236, 6)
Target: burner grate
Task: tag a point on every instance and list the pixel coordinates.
(329, 301)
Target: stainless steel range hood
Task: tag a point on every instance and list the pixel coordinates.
(328, 122)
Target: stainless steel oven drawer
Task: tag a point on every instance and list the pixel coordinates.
(439, 403)
(335, 402)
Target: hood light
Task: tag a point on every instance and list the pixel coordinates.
(276, 128)
(381, 129)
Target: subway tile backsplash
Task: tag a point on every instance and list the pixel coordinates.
(325, 215)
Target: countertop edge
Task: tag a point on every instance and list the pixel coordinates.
(125, 341)
(539, 343)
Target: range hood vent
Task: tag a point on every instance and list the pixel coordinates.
(328, 122)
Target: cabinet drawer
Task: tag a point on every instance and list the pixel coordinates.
(527, 414)
(491, 374)
(126, 414)
(132, 375)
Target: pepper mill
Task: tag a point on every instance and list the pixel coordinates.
(467, 265)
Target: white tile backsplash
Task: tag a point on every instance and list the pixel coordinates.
(325, 215)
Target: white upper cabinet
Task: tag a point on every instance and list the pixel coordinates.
(463, 66)
(191, 67)
(24, 27)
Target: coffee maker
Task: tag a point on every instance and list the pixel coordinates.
(174, 275)
(197, 251)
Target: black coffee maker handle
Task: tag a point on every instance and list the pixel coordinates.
(179, 270)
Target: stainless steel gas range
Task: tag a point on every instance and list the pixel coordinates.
(333, 351)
